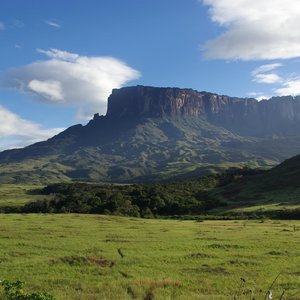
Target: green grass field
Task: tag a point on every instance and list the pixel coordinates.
(14, 195)
(105, 257)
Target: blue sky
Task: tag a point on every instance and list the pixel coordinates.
(61, 58)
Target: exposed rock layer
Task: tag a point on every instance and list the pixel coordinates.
(278, 115)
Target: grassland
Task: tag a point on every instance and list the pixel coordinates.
(105, 257)
(13, 195)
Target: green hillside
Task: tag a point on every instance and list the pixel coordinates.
(275, 192)
(150, 150)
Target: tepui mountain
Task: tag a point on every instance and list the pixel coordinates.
(152, 134)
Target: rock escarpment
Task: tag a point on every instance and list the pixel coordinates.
(278, 115)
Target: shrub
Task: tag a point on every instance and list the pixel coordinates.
(14, 290)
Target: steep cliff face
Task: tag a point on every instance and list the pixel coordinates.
(278, 115)
(154, 102)
(166, 102)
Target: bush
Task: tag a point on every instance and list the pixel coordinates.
(14, 290)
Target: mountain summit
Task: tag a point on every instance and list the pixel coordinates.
(152, 133)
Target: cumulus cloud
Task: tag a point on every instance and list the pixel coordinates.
(254, 29)
(17, 132)
(53, 24)
(70, 79)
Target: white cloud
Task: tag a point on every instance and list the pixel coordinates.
(269, 78)
(18, 132)
(254, 29)
(260, 76)
(286, 85)
(53, 24)
(2, 26)
(70, 79)
(266, 68)
(49, 89)
(258, 96)
(59, 54)
(289, 87)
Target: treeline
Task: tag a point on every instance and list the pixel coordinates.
(180, 198)
(188, 197)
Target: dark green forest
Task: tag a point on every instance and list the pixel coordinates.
(184, 197)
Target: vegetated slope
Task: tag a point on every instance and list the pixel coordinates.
(154, 134)
(275, 192)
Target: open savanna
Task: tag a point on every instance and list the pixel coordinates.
(76, 256)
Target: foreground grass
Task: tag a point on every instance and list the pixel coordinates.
(103, 257)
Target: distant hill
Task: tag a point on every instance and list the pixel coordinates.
(154, 134)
